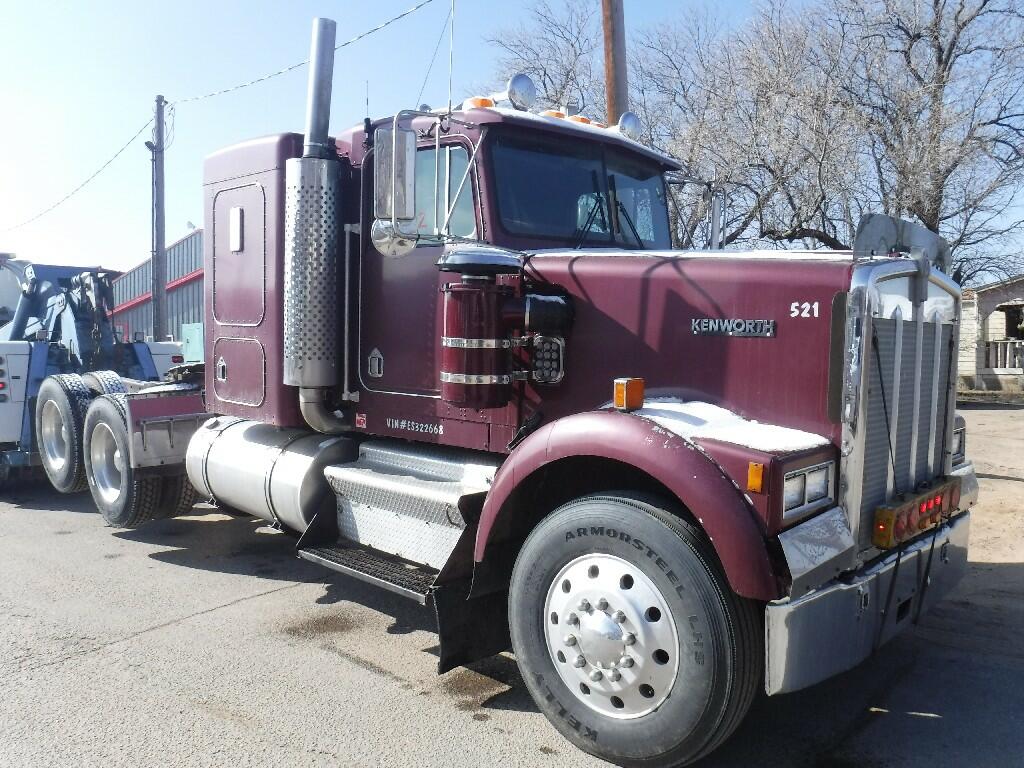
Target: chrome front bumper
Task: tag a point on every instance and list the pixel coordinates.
(832, 629)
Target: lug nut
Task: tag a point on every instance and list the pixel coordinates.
(602, 604)
(569, 640)
(618, 617)
(629, 638)
(584, 604)
(614, 675)
(596, 675)
(573, 619)
(626, 661)
(579, 662)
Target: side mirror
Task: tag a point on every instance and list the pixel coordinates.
(394, 196)
(389, 239)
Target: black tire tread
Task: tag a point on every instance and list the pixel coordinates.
(104, 382)
(79, 397)
(178, 496)
(145, 491)
(743, 622)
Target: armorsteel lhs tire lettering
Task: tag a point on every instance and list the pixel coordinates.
(637, 544)
(713, 653)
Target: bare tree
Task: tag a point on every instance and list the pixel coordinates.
(558, 47)
(811, 116)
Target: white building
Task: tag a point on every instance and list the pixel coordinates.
(992, 337)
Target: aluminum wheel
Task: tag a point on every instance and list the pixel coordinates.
(611, 636)
(106, 462)
(54, 437)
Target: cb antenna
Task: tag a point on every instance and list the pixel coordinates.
(451, 57)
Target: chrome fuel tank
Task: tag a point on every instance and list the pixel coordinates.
(271, 473)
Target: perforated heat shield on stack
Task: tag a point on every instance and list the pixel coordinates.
(311, 239)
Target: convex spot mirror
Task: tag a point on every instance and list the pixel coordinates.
(394, 197)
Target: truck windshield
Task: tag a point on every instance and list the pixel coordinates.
(579, 193)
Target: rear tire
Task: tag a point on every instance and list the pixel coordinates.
(60, 414)
(628, 636)
(104, 383)
(177, 496)
(123, 498)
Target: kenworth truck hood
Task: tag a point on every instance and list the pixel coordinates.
(749, 332)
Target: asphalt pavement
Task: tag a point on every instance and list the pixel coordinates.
(203, 641)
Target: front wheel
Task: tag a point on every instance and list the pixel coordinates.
(627, 634)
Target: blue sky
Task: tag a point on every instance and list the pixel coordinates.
(78, 79)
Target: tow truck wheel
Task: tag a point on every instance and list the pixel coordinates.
(627, 634)
(104, 382)
(123, 498)
(60, 412)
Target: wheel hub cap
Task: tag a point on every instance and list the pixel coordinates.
(611, 636)
(601, 639)
(54, 437)
(105, 463)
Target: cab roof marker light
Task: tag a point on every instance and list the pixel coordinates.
(478, 102)
(553, 113)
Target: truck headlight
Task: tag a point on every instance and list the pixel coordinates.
(809, 488)
(959, 445)
(817, 484)
(794, 491)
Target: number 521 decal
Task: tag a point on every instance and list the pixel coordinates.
(803, 309)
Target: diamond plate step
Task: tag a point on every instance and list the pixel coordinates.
(406, 500)
(374, 568)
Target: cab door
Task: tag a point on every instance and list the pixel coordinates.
(399, 297)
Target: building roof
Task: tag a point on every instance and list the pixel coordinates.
(1000, 283)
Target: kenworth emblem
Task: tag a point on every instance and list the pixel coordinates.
(727, 326)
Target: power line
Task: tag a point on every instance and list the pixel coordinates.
(264, 78)
(96, 173)
(295, 66)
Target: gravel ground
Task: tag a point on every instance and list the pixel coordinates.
(203, 641)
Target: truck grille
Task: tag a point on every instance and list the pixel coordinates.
(901, 409)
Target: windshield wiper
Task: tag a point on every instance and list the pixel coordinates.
(597, 206)
(632, 226)
(621, 209)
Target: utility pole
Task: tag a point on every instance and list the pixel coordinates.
(616, 90)
(158, 264)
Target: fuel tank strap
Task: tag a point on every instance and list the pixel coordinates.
(457, 342)
(474, 378)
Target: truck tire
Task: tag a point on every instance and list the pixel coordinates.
(125, 499)
(177, 496)
(104, 382)
(60, 414)
(627, 634)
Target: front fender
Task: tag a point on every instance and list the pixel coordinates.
(711, 496)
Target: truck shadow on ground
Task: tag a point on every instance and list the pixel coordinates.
(937, 695)
(39, 495)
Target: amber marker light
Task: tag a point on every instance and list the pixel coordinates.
(478, 102)
(629, 394)
(755, 477)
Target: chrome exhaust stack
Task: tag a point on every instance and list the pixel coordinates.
(311, 242)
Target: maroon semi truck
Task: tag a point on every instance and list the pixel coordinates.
(453, 353)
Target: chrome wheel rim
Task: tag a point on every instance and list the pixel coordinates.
(106, 463)
(54, 437)
(611, 636)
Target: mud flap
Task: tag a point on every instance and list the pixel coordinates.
(469, 629)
